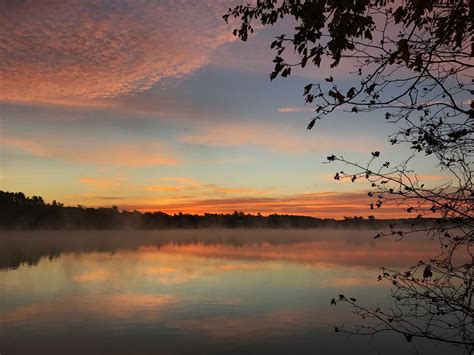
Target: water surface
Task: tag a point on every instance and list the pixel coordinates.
(202, 291)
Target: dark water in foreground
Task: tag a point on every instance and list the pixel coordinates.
(189, 292)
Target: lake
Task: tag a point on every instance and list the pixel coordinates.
(196, 291)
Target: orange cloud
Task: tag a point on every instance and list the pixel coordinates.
(173, 184)
(237, 191)
(177, 184)
(131, 155)
(326, 205)
(164, 188)
(172, 191)
(107, 183)
(225, 190)
(70, 51)
(275, 137)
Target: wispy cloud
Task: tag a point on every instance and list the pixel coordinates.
(109, 198)
(274, 137)
(180, 184)
(289, 109)
(180, 180)
(120, 154)
(71, 51)
(104, 183)
(166, 188)
(323, 204)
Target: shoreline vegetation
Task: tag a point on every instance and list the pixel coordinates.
(20, 212)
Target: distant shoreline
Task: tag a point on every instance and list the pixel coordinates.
(19, 212)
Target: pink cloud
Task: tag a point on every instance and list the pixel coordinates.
(288, 109)
(64, 51)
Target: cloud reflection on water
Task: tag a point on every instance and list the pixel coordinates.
(321, 247)
(178, 291)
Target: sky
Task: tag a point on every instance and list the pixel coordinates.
(155, 105)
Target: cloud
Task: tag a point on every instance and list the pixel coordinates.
(106, 183)
(169, 190)
(228, 190)
(120, 154)
(65, 51)
(177, 184)
(146, 191)
(180, 180)
(295, 109)
(323, 204)
(275, 137)
(109, 198)
(174, 184)
(165, 188)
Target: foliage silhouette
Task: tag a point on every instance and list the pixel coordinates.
(412, 61)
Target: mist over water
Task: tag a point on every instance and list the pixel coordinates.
(196, 291)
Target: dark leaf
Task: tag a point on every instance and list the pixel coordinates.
(427, 272)
(351, 92)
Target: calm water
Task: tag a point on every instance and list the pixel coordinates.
(207, 292)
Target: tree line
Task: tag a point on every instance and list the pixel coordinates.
(19, 211)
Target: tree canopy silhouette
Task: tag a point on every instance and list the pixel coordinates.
(23, 212)
(411, 61)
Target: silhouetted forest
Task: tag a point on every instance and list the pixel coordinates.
(21, 212)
